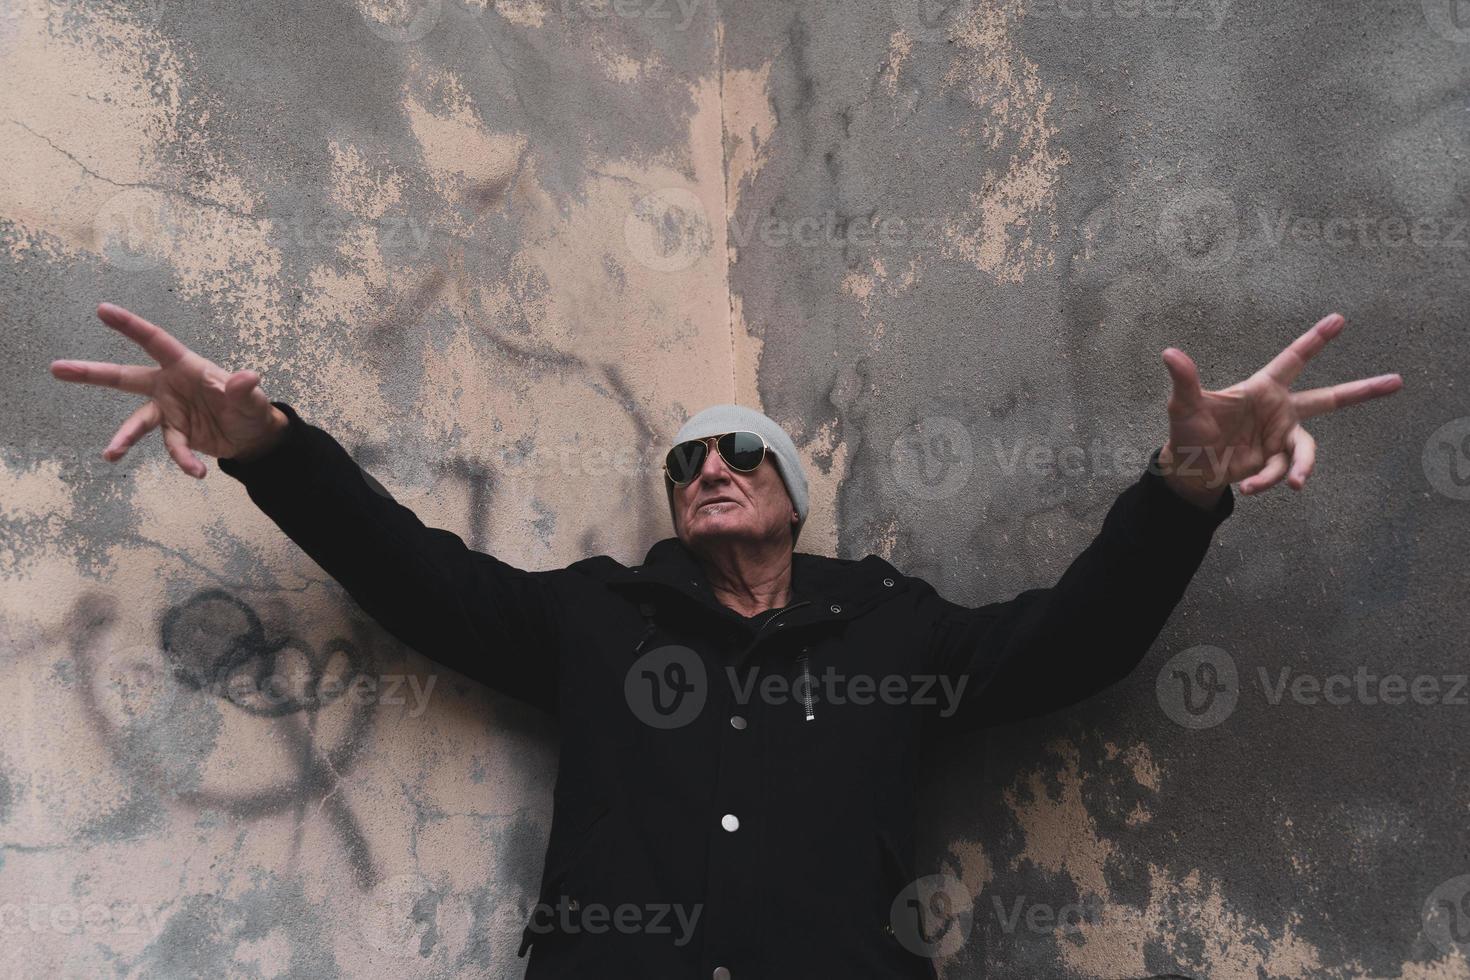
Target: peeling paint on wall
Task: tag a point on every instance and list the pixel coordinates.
(1010, 223)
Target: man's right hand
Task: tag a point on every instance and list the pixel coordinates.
(199, 405)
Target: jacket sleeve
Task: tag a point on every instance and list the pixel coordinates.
(461, 608)
(1049, 648)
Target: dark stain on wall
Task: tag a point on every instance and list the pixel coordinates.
(205, 936)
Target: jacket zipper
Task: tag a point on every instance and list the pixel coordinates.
(807, 700)
(806, 694)
(755, 639)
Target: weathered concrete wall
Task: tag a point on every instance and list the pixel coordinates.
(443, 245)
(487, 245)
(1048, 195)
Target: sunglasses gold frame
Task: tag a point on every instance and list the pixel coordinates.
(765, 451)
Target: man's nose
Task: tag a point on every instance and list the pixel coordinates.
(714, 467)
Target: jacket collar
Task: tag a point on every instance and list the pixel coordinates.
(829, 588)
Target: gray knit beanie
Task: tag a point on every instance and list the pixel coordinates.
(719, 419)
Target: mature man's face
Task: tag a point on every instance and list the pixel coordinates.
(722, 504)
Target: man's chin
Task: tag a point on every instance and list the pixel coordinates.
(721, 526)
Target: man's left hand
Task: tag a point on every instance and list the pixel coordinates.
(1251, 432)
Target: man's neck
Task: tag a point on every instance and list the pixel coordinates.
(750, 578)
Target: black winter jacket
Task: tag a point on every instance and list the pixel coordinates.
(735, 797)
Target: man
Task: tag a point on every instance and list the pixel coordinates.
(740, 723)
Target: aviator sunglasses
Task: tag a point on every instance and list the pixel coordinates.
(742, 451)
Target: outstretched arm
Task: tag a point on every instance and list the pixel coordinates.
(1049, 648)
(459, 607)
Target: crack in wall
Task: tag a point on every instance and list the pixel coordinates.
(725, 206)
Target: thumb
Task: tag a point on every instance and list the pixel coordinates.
(1185, 377)
(243, 388)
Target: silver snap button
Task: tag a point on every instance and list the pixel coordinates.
(836, 608)
(730, 822)
(720, 974)
(888, 582)
(737, 723)
(694, 582)
(573, 905)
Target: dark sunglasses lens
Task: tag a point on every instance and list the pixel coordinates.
(742, 450)
(685, 460)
